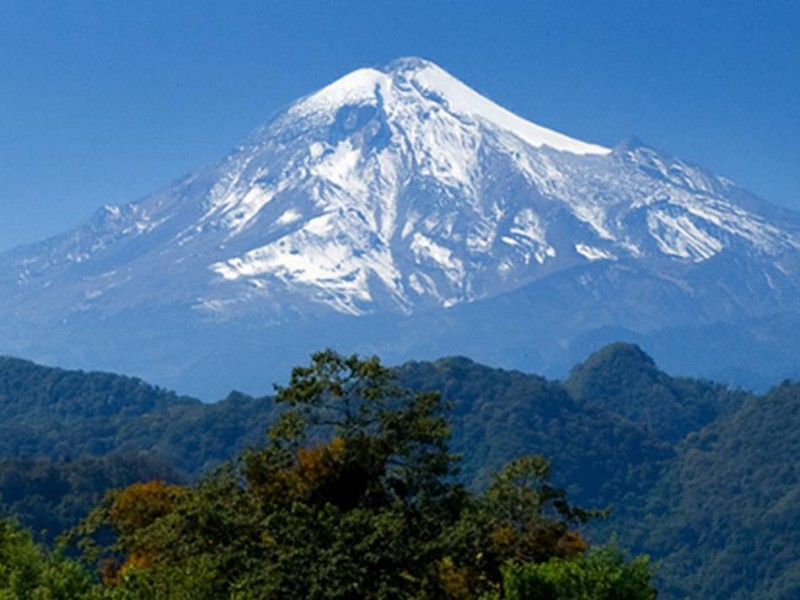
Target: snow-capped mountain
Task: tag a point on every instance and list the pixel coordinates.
(402, 191)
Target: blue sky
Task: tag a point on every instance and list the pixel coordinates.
(103, 102)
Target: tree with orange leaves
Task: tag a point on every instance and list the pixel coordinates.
(354, 496)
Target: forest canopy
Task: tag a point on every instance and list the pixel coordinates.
(354, 495)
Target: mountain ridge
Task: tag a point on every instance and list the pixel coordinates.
(401, 192)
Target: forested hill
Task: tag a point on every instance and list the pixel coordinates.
(624, 380)
(65, 414)
(498, 414)
(726, 515)
(698, 475)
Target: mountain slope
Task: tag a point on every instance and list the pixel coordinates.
(398, 192)
(723, 520)
(498, 415)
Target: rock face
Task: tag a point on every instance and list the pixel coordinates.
(398, 210)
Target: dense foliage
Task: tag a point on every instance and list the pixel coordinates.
(725, 517)
(31, 571)
(698, 476)
(623, 380)
(354, 496)
(50, 496)
(601, 574)
(69, 414)
(500, 414)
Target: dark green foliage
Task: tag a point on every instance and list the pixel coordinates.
(623, 380)
(68, 414)
(498, 415)
(51, 496)
(66, 437)
(716, 508)
(520, 518)
(354, 496)
(724, 519)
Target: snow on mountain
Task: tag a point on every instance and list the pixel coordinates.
(399, 190)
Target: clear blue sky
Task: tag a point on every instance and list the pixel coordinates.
(106, 101)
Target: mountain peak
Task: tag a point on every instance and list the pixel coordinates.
(397, 190)
(415, 86)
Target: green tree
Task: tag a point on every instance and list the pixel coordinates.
(384, 444)
(349, 498)
(360, 466)
(601, 574)
(354, 496)
(31, 571)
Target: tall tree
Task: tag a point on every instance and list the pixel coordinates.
(354, 496)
